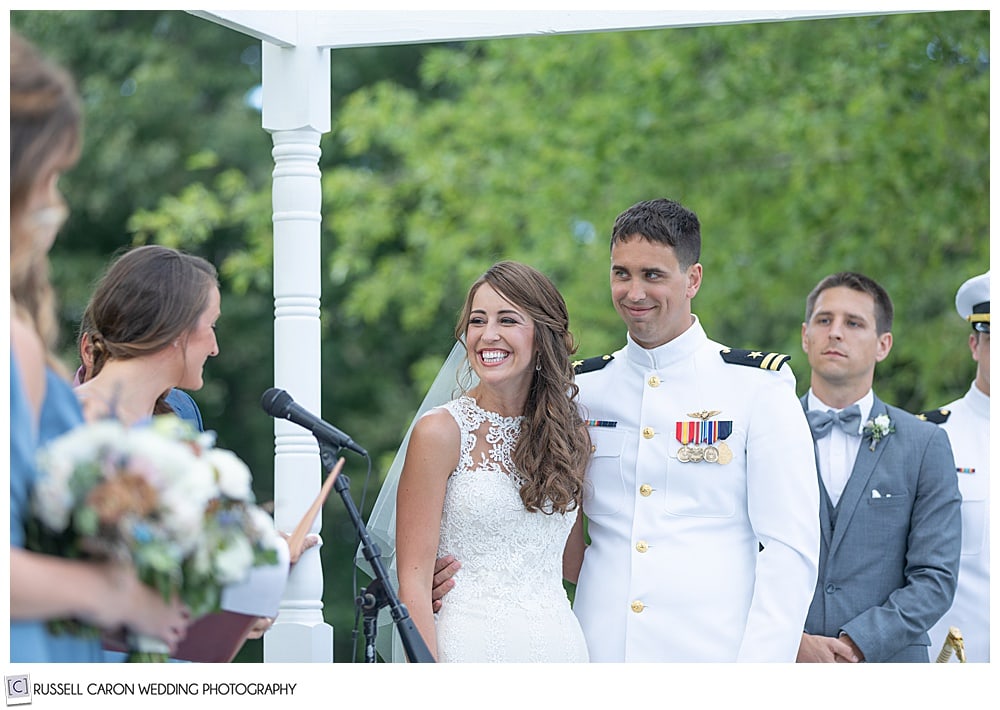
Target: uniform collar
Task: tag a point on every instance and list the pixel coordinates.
(678, 349)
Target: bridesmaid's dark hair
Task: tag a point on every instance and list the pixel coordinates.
(149, 297)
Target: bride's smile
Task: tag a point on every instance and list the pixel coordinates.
(501, 341)
(493, 357)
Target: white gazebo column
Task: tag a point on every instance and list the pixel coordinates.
(296, 111)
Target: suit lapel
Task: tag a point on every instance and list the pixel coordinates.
(825, 506)
(857, 483)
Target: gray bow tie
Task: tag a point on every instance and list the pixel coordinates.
(820, 421)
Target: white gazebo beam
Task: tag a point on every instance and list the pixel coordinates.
(278, 28)
(361, 28)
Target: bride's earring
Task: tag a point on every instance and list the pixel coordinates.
(466, 377)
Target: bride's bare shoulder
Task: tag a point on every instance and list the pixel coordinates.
(436, 424)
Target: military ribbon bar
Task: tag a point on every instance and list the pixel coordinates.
(688, 432)
(602, 423)
(703, 432)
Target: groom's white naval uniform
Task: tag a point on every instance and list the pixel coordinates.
(713, 558)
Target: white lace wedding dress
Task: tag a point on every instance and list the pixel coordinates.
(508, 603)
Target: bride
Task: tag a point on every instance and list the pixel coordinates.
(494, 478)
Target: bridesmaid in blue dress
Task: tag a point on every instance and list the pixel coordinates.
(45, 131)
(29, 640)
(146, 334)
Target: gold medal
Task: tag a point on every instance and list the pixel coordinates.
(704, 431)
(725, 453)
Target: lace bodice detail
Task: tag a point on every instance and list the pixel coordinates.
(504, 549)
(508, 603)
(501, 436)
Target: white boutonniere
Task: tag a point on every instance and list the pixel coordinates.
(877, 429)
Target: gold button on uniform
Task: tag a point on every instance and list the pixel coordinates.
(593, 448)
(637, 606)
(641, 546)
(647, 432)
(654, 381)
(645, 490)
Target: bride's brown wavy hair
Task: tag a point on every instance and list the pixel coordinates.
(554, 447)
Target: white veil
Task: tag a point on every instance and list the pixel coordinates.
(382, 523)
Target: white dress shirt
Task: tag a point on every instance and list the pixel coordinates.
(837, 451)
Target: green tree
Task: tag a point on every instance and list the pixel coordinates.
(806, 148)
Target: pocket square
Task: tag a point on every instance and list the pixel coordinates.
(877, 494)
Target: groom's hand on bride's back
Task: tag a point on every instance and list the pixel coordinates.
(444, 569)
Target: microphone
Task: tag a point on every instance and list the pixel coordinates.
(280, 404)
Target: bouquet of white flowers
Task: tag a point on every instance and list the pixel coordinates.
(160, 497)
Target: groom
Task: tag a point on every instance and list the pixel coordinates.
(890, 508)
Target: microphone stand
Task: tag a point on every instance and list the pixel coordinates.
(379, 593)
(371, 599)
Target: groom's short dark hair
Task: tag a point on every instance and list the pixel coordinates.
(661, 221)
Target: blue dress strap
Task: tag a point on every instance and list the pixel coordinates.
(30, 641)
(185, 407)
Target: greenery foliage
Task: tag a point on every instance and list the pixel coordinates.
(805, 148)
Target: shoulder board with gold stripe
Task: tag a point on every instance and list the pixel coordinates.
(754, 358)
(937, 416)
(591, 363)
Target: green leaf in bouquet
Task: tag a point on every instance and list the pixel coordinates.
(38, 538)
(72, 627)
(86, 522)
(163, 565)
(85, 476)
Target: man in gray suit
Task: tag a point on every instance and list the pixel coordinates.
(890, 515)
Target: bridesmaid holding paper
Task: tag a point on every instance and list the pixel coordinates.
(151, 329)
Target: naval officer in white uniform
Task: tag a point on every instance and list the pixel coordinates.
(702, 495)
(967, 422)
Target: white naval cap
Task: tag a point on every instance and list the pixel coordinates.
(973, 302)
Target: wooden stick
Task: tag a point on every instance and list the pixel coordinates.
(297, 538)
